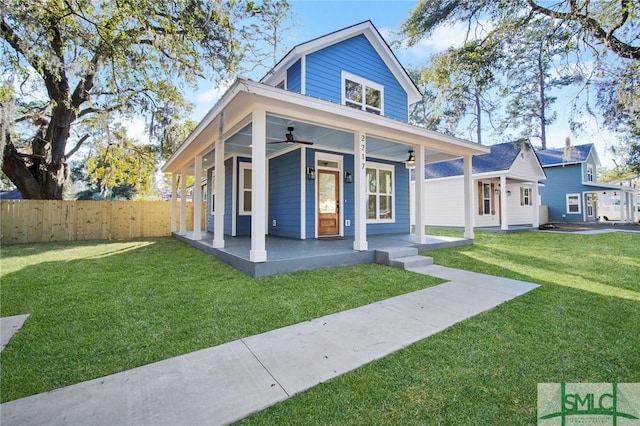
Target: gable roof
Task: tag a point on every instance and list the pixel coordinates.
(372, 34)
(576, 154)
(499, 159)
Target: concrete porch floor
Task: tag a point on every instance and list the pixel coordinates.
(285, 255)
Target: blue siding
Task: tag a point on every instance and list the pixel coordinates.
(228, 195)
(243, 222)
(228, 171)
(357, 56)
(401, 201)
(210, 224)
(293, 77)
(310, 201)
(560, 182)
(284, 195)
(348, 205)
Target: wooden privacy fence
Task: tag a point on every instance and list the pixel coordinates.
(34, 221)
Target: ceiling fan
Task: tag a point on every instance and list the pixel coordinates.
(290, 139)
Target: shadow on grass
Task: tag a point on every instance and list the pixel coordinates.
(108, 307)
(484, 370)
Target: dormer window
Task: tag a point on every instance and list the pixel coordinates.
(360, 93)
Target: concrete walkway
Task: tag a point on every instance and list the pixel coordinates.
(226, 383)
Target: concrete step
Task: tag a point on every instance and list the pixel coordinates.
(411, 262)
(384, 257)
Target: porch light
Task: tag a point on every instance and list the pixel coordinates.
(348, 177)
(412, 158)
(311, 173)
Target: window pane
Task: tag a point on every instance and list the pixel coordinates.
(247, 178)
(353, 91)
(487, 207)
(327, 193)
(372, 180)
(374, 111)
(373, 98)
(246, 195)
(385, 182)
(385, 207)
(371, 207)
(486, 189)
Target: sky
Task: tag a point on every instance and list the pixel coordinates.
(316, 18)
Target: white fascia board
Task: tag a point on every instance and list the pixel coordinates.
(367, 119)
(609, 186)
(351, 119)
(368, 30)
(214, 112)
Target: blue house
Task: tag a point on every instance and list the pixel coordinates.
(317, 148)
(572, 192)
(505, 189)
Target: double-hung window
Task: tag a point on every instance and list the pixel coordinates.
(360, 93)
(525, 196)
(573, 203)
(245, 189)
(380, 193)
(589, 172)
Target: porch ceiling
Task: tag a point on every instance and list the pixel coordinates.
(329, 126)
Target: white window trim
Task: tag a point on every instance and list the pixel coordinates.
(579, 203)
(322, 157)
(392, 169)
(366, 83)
(590, 173)
(526, 196)
(241, 188)
(484, 211)
(212, 191)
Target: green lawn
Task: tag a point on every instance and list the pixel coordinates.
(102, 307)
(582, 325)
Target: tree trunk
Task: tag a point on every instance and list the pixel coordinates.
(41, 174)
(543, 119)
(478, 117)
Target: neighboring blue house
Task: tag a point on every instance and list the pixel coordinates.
(10, 195)
(572, 192)
(318, 148)
(505, 185)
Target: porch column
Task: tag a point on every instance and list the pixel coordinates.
(258, 251)
(504, 224)
(536, 204)
(360, 188)
(420, 237)
(468, 198)
(183, 201)
(174, 201)
(197, 199)
(219, 185)
(623, 206)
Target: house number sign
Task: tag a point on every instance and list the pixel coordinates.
(363, 152)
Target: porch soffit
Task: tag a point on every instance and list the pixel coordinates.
(329, 126)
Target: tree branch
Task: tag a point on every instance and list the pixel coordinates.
(77, 146)
(620, 48)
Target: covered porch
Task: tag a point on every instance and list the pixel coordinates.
(265, 184)
(286, 255)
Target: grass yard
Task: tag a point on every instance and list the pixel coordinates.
(98, 308)
(102, 307)
(582, 325)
